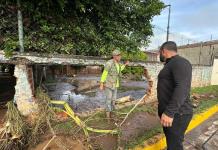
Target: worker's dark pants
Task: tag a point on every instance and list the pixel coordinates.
(175, 134)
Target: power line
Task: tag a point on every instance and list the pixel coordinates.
(175, 36)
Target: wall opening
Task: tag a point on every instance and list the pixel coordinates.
(7, 83)
(7, 87)
(79, 85)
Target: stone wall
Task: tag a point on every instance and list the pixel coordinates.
(24, 89)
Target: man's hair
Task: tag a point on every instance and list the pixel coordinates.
(169, 45)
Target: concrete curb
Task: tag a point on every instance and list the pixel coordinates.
(197, 119)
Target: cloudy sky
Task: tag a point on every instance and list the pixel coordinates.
(191, 21)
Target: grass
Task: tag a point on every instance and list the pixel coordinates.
(98, 121)
(143, 108)
(145, 136)
(203, 105)
(65, 127)
(69, 126)
(213, 89)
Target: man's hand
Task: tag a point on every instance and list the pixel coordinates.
(101, 86)
(166, 121)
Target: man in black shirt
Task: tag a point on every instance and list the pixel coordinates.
(173, 92)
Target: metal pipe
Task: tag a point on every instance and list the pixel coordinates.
(168, 23)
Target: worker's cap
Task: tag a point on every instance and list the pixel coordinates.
(116, 52)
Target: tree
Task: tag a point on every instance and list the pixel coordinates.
(85, 27)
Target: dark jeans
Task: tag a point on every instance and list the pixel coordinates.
(175, 134)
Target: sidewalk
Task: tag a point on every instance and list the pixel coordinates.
(195, 139)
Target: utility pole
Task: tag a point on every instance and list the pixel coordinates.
(20, 26)
(168, 24)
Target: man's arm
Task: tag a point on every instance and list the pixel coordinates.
(103, 79)
(182, 74)
(122, 66)
(104, 75)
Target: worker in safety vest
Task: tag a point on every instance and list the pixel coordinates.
(110, 80)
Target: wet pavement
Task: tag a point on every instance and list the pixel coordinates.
(203, 137)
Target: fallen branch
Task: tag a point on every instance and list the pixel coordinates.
(49, 142)
(53, 133)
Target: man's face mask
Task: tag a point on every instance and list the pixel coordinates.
(162, 58)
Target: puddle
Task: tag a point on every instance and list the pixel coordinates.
(92, 98)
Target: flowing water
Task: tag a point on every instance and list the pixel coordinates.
(93, 98)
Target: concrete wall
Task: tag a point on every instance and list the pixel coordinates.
(26, 103)
(152, 56)
(200, 53)
(24, 94)
(201, 75)
(214, 77)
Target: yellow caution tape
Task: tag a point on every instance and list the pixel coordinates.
(79, 122)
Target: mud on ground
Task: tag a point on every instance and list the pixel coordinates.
(136, 125)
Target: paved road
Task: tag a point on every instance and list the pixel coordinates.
(195, 139)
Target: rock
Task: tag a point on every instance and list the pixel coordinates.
(124, 99)
(212, 96)
(215, 123)
(203, 96)
(195, 105)
(196, 96)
